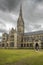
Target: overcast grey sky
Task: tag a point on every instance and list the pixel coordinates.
(32, 14)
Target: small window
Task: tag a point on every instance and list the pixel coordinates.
(12, 44)
(42, 45)
(7, 45)
(27, 45)
(24, 45)
(31, 45)
(2, 45)
(21, 45)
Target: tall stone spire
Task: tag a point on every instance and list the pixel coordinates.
(20, 22)
(20, 10)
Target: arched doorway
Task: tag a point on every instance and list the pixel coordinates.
(36, 46)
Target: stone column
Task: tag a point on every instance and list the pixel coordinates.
(15, 40)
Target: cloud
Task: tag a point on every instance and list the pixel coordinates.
(37, 26)
(9, 5)
(32, 13)
(2, 30)
(38, 0)
(7, 21)
(2, 27)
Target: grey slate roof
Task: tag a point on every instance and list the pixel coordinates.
(34, 33)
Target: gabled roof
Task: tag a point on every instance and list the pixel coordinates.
(34, 33)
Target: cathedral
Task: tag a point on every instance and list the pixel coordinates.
(19, 39)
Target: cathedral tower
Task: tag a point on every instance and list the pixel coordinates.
(20, 22)
(20, 28)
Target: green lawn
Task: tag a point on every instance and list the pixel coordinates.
(20, 57)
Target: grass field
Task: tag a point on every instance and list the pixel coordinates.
(20, 57)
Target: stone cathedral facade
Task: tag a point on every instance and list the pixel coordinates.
(19, 39)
